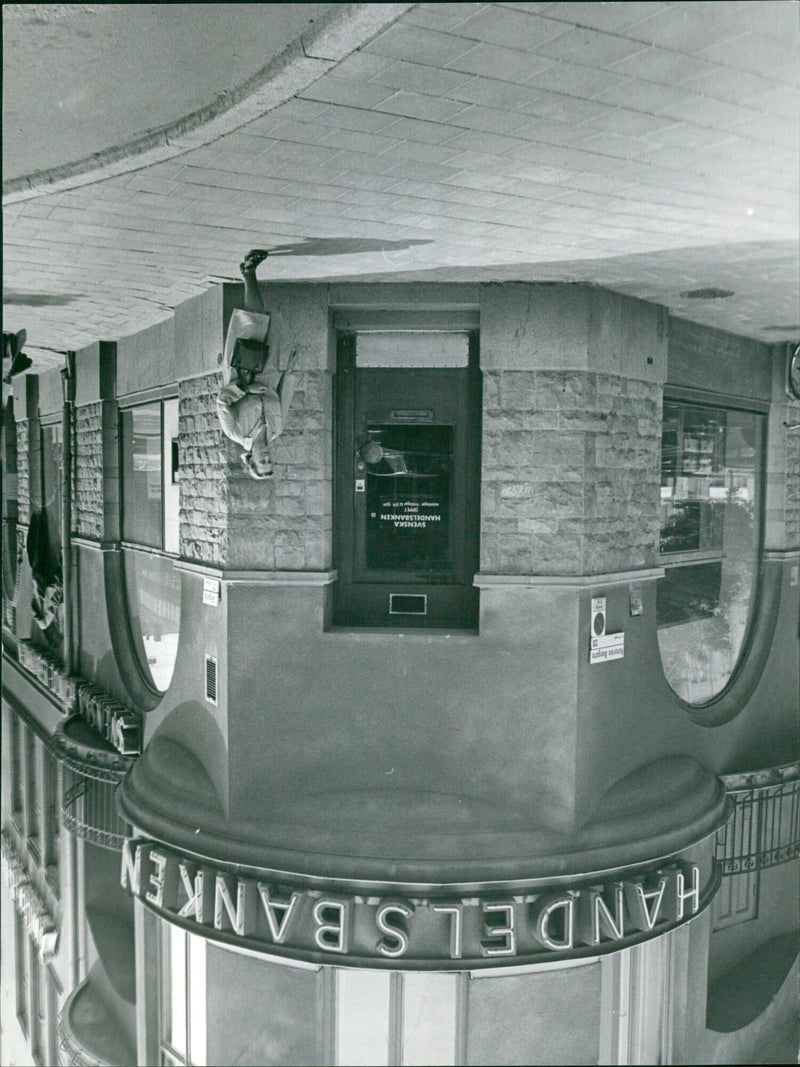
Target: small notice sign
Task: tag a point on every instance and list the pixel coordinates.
(605, 648)
(410, 514)
(211, 591)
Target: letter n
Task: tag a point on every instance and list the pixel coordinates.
(132, 866)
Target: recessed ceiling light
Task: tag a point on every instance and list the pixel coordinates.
(706, 294)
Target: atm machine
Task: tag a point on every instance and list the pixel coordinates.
(407, 503)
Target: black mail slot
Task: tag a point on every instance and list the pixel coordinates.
(408, 604)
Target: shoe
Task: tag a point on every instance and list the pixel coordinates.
(252, 259)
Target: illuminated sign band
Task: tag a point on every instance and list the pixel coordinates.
(585, 918)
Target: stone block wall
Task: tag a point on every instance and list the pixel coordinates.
(88, 499)
(23, 474)
(782, 501)
(570, 472)
(792, 497)
(227, 518)
(285, 523)
(203, 472)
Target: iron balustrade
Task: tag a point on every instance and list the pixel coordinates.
(764, 827)
(88, 807)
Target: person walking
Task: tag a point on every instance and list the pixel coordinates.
(255, 396)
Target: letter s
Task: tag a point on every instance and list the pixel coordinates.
(398, 934)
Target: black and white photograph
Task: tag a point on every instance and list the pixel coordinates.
(400, 534)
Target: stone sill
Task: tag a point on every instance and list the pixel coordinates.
(554, 581)
(373, 634)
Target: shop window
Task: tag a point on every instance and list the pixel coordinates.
(363, 1005)
(38, 1029)
(11, 570)
(710, 525)
(22, 960)
(52, 819)
(150, 514)
(150, 495)
(153, 589)
(43, 544)
(183, 1014)
(15, 735)
(52, 1017)
(51, 465)
(33, 805)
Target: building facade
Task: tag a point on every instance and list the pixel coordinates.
(468, 738)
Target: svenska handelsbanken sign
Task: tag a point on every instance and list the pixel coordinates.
(583, 918)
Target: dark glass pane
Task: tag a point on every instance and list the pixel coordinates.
(409, 483)
(688, 593)
(693, 470)
(51, 482)
(153, 589)
(142, 475)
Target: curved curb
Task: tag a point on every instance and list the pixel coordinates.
(347, 28)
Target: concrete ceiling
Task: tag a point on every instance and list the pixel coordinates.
(79, 79)
(649, 147)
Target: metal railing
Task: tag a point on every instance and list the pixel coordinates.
(88, 807)
(764, 829)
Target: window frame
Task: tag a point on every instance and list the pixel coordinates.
(32, 800)
(51, 821)
(22, 976)
(192, 999)
(724, 705)
(169, 469)
(15, 740)
(49, 424)
(147, 692)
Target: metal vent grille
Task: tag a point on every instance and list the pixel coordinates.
(211, 678)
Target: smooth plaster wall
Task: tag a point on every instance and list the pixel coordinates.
(490, 717)
(147, 359)
(184, 714)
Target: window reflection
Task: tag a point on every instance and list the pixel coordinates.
(710, 465)
(153, 589)
(142, 475)
(409, 472)
(183, 1014)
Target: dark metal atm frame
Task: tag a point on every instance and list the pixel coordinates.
(443, 396)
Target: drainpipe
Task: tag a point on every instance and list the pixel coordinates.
(68, 387)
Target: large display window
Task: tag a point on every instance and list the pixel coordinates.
(150, 493)
(150, 511)
(153, 589)
(711, 463)
(183, 1007)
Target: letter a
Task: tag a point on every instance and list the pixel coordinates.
(279, 930)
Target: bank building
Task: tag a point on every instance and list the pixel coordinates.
(468, 737)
